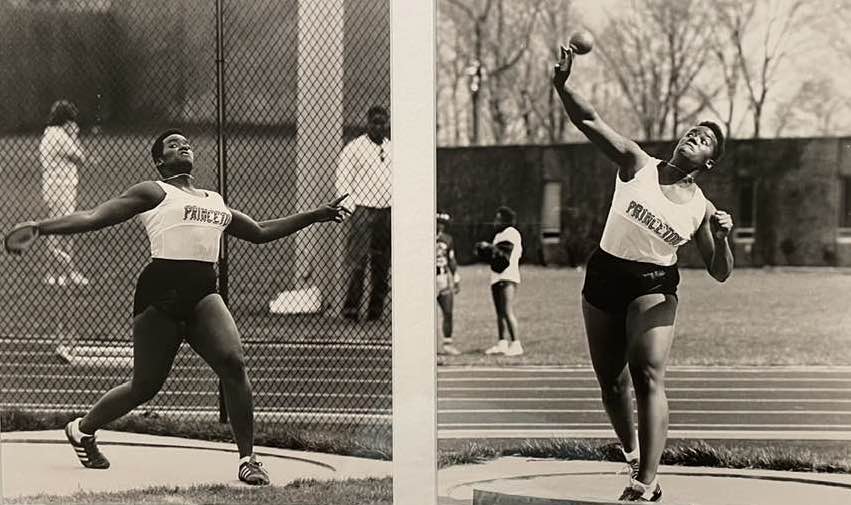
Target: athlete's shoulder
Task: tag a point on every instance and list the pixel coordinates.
(642, 162)
(710, 207)
(649, 164)
(147, 190)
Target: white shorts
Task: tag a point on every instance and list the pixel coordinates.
(60, 196)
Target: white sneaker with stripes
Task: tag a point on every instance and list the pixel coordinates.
(252, 472)
(85, 446)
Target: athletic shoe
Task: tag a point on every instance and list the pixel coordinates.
(501, 347)
(252, 472)
(633, 468)
(86, 447)
(514, 349)
(632, 464)
(451, 350)
(638, 491)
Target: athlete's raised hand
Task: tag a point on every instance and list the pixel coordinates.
(720, 223)
(334, 211)
(562, 67)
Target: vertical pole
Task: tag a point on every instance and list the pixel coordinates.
(319, 136)
(221, 143)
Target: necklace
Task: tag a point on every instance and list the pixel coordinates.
(687, 177)
(176, 176)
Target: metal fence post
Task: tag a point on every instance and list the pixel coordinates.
(221, 141)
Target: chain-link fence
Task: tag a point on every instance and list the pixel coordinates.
(269, 93)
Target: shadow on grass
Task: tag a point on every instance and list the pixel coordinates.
(778, 455)
(374, 442)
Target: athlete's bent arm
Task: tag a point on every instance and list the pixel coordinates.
(139, 198)
(624, 152)
(247, 228)
(711, 239)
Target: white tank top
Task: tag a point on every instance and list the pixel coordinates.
(644, 225)
(186, 227)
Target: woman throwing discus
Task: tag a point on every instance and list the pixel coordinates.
(176, 296)
(629, 299)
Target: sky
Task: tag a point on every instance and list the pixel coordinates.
(818, 59)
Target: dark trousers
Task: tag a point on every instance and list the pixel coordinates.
(368, 240)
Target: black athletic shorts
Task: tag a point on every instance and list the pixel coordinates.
(611, 283)
(174, 286)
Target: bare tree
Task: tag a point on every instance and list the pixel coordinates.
(509, 42)
(656, 51)
(496, 36)
(762, 44)
(813, 109)
(450, 81)
(725, 58)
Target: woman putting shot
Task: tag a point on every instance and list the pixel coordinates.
(629, 299)
(176, 295)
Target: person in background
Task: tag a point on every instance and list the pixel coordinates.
(61, 155)
(448, 281)
(364, 172)
(504, 258)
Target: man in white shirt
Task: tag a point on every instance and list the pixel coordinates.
(364, 172)
(60, 155)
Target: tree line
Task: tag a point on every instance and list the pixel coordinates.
(657, 67)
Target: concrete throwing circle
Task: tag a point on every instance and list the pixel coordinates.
(48, 466)
(680, 488)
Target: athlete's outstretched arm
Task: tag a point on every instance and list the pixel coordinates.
(139, 198)
(245, 227)
(624, 152)
(711, 239)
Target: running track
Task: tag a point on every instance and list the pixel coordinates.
(310, 381)
(705, 402)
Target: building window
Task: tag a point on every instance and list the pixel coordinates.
(845, 203)
(551, 212)
(746, 216)
(843, 235)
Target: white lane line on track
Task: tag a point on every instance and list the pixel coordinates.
(785, 427)
(201, 368)
(671, 368)
(672, 434)
(166, 392)
(670, 400)
(600, 411)
(251, 372)
(558, 388)
(668, 379)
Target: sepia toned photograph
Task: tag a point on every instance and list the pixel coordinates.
(196, 276)
(642, 251)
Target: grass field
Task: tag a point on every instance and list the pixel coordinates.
(300, 492)
(366, 441)
(788, 455)
(758, 317)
